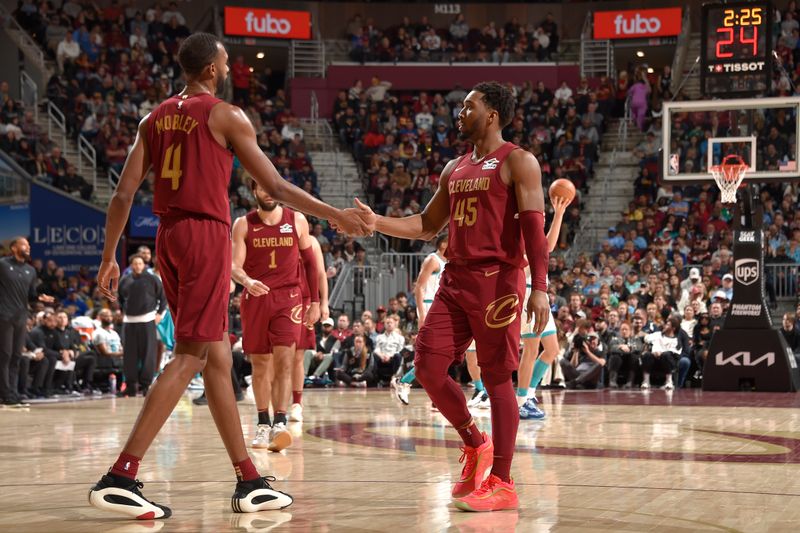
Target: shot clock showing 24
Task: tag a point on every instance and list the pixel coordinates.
(736, 50)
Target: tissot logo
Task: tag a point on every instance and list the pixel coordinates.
(746, 271)
(747, 236)
(744, 359)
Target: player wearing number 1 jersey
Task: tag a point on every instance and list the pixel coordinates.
(267, 246)
(185, 140)
(492, 201)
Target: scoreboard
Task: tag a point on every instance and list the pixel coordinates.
(736, 49)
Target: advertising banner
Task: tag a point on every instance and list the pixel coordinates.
(66, 230)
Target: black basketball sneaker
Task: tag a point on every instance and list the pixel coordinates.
(257, 495)
(120, 494)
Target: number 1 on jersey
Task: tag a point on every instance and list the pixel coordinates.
(171, 169)
(272, 263)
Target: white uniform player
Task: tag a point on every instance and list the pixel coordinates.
(527, 327)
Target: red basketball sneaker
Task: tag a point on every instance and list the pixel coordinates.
(477, 461)
(494, 494)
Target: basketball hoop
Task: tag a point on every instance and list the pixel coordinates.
(729, 175)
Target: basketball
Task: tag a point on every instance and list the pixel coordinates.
(562, 188)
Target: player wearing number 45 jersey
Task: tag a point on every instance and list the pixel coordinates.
(185, 140)
(492, 201)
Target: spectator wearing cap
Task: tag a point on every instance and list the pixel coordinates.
(592, 288)
(615, 240)
(693, 279)
(585, 363)
(632, 282)
(73, 299)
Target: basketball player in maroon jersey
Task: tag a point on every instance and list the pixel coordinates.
(268, 245)
(185, 140)
(307, 339)
(492, 200)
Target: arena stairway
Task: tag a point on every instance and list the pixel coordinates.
(612, 186)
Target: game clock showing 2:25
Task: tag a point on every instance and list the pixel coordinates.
(736, 55)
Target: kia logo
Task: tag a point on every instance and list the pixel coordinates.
(267, 25)
(638, 25)
(746, 271)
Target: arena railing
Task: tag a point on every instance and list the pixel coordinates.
(29, 93)
(25, 42)
(57, 120)
(88, 151)
(113, 178)
(13, 187)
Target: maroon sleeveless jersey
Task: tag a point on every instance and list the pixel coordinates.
(483, 223)
(192, 170)
(273, 253)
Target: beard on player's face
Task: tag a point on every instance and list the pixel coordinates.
(267, 205)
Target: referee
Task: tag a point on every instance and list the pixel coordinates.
(141, 296)
(17, 289)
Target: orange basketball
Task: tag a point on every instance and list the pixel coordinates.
(562, 188)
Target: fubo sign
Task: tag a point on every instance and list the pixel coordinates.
(637, 23)
(267, 23)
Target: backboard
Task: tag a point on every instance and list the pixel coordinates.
(699, 134)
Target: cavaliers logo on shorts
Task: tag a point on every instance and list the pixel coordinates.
(297, 314)
(502, 312)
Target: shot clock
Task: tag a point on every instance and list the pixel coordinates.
(736, 48)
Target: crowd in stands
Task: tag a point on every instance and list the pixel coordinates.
(404, 140)
(514, 41)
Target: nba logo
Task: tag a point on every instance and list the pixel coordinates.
(674, 163)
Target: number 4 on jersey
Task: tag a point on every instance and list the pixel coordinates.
(171, 169)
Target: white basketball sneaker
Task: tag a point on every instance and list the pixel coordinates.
(296, 413)
(262, 436)
(279, 438)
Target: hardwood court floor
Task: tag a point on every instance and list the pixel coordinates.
(602, 461)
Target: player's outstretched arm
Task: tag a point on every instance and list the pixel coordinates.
(526, 176)
(559, 207)
(235, 127)
(238, 256)
(137, 165)
(424, 226)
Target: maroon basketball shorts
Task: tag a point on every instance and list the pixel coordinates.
(480, 302)
(194, 260)
(307, 339)
(273, 319)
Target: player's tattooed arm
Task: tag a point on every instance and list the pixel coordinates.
(239, 254)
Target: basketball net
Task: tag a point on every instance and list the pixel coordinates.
(729, 175)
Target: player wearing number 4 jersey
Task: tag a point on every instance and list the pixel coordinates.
(267, 247)
(185, 141)
(492, 201)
